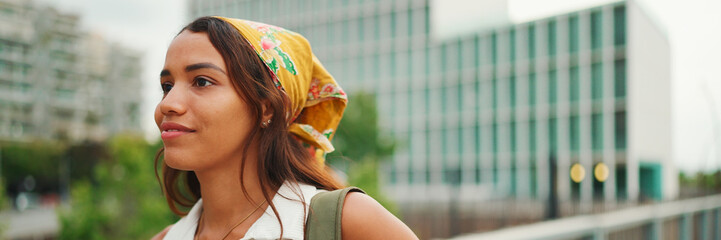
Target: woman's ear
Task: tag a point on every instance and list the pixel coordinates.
(267, 111)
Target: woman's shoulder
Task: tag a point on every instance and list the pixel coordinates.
(364, 218)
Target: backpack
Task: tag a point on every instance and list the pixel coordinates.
(324, 217)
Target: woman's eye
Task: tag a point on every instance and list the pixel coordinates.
(166, 87)
(202, 82)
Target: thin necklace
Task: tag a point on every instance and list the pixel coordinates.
(236, 225)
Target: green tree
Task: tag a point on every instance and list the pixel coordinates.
(3, 206)
(37, 159)
(122, 201)
(361, 147)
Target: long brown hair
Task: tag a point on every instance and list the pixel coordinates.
(281, 157)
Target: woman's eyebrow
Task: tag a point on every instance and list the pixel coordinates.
(194, 67)
(197, 66)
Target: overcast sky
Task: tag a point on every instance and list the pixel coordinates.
(692, 25)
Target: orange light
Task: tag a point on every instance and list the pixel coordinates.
(601, 172)
(578, 173)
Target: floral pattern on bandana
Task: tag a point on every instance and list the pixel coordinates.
(321, 138)
(316, 92)
(271, 53)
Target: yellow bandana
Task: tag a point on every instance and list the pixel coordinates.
(316, 99)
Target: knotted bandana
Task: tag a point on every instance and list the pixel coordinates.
(317, 102)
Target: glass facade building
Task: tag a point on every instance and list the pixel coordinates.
(490, 112)
(60, 83)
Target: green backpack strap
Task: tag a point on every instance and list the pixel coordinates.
(325, 214)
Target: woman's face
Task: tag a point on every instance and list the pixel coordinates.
(202, 119)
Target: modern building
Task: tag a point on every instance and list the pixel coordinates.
(58, 82)
(492, 114)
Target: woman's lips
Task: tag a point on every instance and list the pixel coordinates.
(167, 135)
(170, 130)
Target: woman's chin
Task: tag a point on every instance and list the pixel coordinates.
(178, 161)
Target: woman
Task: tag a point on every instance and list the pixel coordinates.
(246, 117)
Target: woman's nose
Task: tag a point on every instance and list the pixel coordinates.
(173, 102)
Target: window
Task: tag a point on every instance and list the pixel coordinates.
(476, 51)
(361, 30)
(512, 91)
(494, 48)
(494, 90)
(427, 19)
(444, 100)
(394, 29)
(444, 58)
(514, 176)
(477, 175)
(552, 82)
(494, 133)
(596, 30)
(477, 133)
(460, 48)
(345, 31)
(573, 34)
(552, 38)
(453, 175)
(427, 60)
(513, 137)
(532, 136)
(460, 104)
(619, 26)
(531, 41)
(597, 187)
(596, 81)
(573, 84)
(619, 78)
(409, 22)
(620, 130)
(512, 39)
(478, 94)
(393, 65)
(408, 62)
(459, 138)
(410, 170)
(531, 89)
(597, 132)
(532, 178)
(477, 139)
(376, 27)
(427, 100)
(376, 66)
(428, 172)
(495, 171)
(360, 68)
(621, 185)
(575, 191)
(573, 132)
(552, 136)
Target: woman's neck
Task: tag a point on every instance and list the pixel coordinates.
(224, 203)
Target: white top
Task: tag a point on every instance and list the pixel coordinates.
(292, 213)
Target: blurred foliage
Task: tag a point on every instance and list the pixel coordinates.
(37, 159)
(3, 205)
(361, 147)
(711, 181)
(45, 162)
(121, 199)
